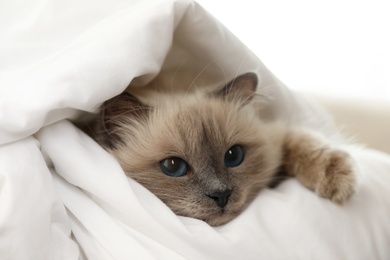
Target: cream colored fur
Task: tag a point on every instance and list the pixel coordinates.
(199, 128)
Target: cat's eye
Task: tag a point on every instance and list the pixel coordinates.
(234, 156)
(174, 167)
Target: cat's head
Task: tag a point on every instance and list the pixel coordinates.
(205, 155)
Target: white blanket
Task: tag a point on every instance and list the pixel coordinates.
(63, 197)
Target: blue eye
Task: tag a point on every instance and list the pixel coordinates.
(174, 167)
(234, 156)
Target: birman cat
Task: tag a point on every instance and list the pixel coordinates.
(207, 154)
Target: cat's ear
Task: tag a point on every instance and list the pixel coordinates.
(241, 88)
(117, 112)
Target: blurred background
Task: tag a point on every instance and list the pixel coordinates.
(336, 50)
(335, 47)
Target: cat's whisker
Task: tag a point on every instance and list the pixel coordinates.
(260, 93)
(199, 74)
(265, 97)
(175, 73)
(223, 72)
(136, 111)
(247, 98)
(262, 89)
(238, 70)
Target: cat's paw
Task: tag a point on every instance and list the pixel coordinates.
(338, 182)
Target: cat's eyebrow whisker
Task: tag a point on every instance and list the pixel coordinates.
(236, 74)
(199, 74)
(268, 87)
(259, 93)
(239, 69)
(247, 98)
(134, 110)
(267, 97)
(175, 73)
(223, 71)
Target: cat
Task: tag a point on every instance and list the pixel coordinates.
(207, 154)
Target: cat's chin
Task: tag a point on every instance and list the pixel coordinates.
(214, 216)
(220, 217)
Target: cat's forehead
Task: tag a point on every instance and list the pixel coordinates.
(202, 113)
(191, 123)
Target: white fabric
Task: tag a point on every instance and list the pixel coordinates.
(63, 197)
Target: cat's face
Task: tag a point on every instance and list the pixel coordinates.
(205, 156)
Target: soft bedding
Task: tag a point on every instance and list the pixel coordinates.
(63, 197)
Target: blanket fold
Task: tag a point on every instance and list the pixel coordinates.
(62, 196)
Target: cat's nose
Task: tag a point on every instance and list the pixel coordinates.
(221, 198)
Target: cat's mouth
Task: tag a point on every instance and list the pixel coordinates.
(213, 208)
(222, 208)
(217, 215)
